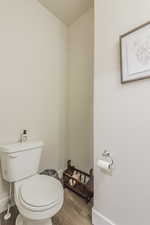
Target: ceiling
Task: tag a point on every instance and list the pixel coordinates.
(67, 10)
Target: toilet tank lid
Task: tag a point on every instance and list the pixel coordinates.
(17, 147)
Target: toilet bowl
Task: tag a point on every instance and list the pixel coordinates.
(38, 199)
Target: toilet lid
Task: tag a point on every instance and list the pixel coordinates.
(40, 191)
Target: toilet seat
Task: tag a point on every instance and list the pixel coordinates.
(40, 193)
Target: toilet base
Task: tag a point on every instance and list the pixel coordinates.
(21, 221)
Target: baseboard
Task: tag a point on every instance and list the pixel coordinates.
(99, 219)
(3, 203)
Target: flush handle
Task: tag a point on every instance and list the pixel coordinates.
(15, 155)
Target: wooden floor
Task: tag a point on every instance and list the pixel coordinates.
(75, 211)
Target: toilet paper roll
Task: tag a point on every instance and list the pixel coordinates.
(104, 165)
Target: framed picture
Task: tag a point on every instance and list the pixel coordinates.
(135, 54)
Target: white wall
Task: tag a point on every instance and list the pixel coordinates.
(33, 73)
(122, 118)
(80, 149)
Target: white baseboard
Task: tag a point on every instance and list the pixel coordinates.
(99, 219)
(3, 203)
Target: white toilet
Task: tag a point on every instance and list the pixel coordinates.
(37, 197)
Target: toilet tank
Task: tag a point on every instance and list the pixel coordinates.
(20, 160)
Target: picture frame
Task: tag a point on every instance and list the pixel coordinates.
(135, 54)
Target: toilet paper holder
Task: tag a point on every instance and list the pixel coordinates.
(107, 157)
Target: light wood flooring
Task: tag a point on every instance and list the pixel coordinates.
(75, 211)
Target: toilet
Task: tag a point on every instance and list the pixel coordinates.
(37, 197)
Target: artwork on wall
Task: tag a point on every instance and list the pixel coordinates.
(135, 54)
